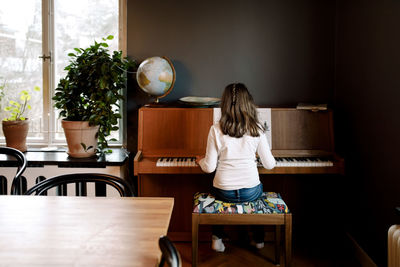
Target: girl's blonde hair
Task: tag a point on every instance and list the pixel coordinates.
(239, 112)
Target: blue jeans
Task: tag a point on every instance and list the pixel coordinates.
(240, 195)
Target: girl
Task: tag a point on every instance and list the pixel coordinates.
(231, 149)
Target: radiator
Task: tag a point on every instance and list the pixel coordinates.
(32, 173)
(394, 246)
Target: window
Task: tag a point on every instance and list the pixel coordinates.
(35, 38)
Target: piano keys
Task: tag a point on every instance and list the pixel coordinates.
(285, 165)
(303, 162)
(176, 162)
(280, 162)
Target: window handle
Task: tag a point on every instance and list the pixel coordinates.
(44, 57)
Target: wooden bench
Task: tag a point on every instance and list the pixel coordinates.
(269, 210)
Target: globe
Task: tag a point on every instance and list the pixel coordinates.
(156, 76)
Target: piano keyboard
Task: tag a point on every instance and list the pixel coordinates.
(280, 162)
(176, 162)
(300, 162)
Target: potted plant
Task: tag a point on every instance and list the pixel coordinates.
(89, 97)
(16, 126)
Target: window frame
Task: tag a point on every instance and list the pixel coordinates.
(49, 122)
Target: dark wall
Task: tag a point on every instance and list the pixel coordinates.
(367, 117)
(287, 52)
(282, 50)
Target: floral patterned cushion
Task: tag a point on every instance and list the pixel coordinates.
(270, 202)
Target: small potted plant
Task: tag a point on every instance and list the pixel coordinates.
(89, 96)
(16, 126)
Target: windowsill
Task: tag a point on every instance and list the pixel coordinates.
(38, 158)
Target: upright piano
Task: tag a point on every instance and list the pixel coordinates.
(169, 139)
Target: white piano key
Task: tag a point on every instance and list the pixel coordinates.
(160, 162)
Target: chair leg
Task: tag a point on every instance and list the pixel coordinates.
(277, 244)
(288, 239)
(195, 238)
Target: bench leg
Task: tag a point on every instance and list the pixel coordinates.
(288, 239)
(277, 244)
(195, 238)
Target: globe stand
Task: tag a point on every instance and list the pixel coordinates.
(156, 103)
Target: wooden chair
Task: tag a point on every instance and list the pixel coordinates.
(21, 163)
(228, 214)
(170, 254)
(80, 180)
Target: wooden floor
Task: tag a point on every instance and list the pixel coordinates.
(304, 255)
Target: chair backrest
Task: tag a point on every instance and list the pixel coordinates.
(21, 166)
(170, 254)
(80, 179)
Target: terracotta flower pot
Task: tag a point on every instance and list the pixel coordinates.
(78, 133)
(15, 133)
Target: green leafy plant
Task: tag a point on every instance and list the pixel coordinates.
(92, 88)
(18, 108)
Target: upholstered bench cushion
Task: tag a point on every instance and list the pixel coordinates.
(270, 202)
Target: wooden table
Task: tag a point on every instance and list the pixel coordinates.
(82, 231)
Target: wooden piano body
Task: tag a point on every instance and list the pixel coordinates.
(182, 132)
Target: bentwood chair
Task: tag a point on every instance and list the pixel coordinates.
(80, 180)
(18, 182)
(170, 255)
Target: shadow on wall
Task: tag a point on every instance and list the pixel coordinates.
(183, 82)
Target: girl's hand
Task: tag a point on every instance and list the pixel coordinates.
(198, 158)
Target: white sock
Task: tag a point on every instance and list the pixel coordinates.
(217, 244)
(257, 245)
(260, 245)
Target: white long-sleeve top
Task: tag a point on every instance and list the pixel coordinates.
(235, 159)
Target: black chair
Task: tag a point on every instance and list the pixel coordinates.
(80, 180)
(170, 254)
(18, 185)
